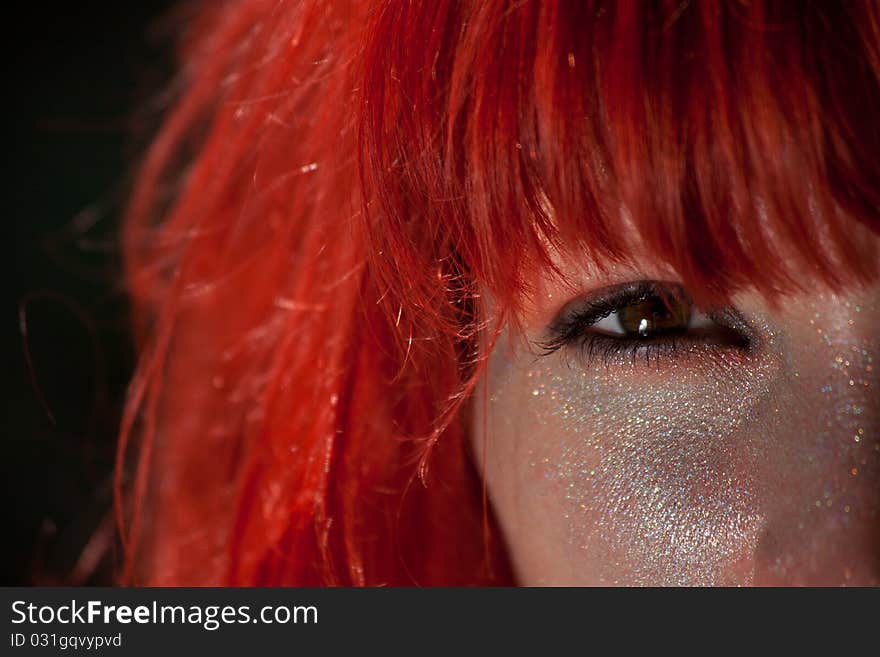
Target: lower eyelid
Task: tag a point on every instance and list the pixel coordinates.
(598, 349)
(609, 350)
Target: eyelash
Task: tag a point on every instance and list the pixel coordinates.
(571, 328)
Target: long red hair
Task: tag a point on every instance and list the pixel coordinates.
(338, 184)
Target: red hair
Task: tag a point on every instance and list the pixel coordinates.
(312, 228)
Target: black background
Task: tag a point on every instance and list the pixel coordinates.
(83, 85)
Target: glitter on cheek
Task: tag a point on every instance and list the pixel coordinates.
(830, 534)
(656, 484)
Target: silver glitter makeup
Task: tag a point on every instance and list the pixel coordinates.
(650, 472)
(832, 522)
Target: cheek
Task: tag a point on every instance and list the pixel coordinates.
(657, 503)
(823, 510)
(650, 483)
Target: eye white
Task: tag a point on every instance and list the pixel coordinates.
(610, 325)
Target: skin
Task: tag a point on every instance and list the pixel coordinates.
(708, 466)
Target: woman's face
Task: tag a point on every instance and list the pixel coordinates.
(662, 446)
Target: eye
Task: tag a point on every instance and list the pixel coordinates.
(646, 317)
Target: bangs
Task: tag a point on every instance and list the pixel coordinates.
(736, 143)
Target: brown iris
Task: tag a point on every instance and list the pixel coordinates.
(655, 316)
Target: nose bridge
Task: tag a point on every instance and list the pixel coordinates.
(822, 513)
